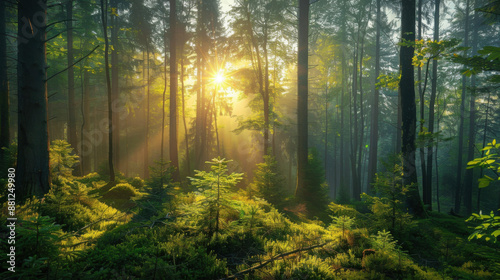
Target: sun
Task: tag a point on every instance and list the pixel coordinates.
(219, 78)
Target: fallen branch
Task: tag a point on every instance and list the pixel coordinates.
(262, 264)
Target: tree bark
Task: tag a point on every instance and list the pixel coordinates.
(115, 89)
(104, 9)
(71, 132)
(32, 172)
(302, 78)
(469, 173)
(408, 107)
(372, 162)
(4, 85)
(427, 187)
(458, 190)
(174, 157)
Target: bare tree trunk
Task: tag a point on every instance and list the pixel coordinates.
(32, 172)
(408, 108)
(458, 190)
(422, 107)
(4, 86)
(469, 173)
(85, 148)
(427, 187)
(115, 90)
(104, 9)
(302, 100)
(174, 157)
(72, 137)
(373, 159)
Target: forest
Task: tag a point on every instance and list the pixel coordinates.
(249, 139)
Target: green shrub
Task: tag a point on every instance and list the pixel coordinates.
(269, 182)
(121, 191)
(61, 158)
(137, 183)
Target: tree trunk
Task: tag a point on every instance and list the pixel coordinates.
(104, 9)
(427, 187)
(174, 157)
(372, 162)
(422, 107)
(72, 138)
(4, 85)
(115, 90)
(458, 190)
(146, 143)
(469, 173)
(85, 146)
(302, 76)
(32, 172)
(408, 107)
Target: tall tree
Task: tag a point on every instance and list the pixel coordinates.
(408, 107)
(372, 161)
(104, 18)
(302, 79)
(427, 186)
(72, 137)
(469, 173)
(174, 157)
(115, 83)
(4, 84)
(459, 183)
(33, 140)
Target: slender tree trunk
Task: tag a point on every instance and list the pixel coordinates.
(174, 157)
(469, 173)
(356, 190)
(32, 174)
(146, 143)
(85, 146)
(115, 90)
(4, 85)
(186, 136)
(302, 100)
(373, 159)
(162, 141)
(104, 9)
(361, 116)
(427, 187)
(72, 138)
(408, 108)
(422, 107)
(266, 93)
(484, 144)
(458, 190)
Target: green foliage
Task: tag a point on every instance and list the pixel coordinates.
(215, 187)
(384, 241)
(490, 224)
(61, 158)
(342, 222)
(160, 178)
(315, 193)
(121, 191)
(388, 210)
(489, 229)
(269, 182)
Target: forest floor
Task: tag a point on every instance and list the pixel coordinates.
(87, 229)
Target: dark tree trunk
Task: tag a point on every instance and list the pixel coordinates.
(146, 143)
(174, 157)
(104, 9)
(32, 172)
(302, 76)
(421, 95)
(427, 187)
(458, 190)
(4, 85)
(372, 162)
(72, 137)
(408, 107)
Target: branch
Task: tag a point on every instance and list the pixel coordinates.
(262, 264)
(59, 21)
(72, 64)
